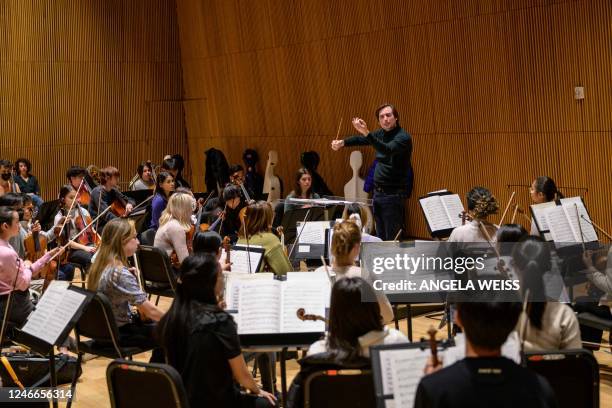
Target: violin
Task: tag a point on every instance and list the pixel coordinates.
(81, 222)
(301, 314)
(119, 206)
(36, 247)
(83, 197)
(62, 235)
(227, 245)
(433, 345)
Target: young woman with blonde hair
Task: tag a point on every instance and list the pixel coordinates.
(345, 247)
(174, 226)
(111, 275)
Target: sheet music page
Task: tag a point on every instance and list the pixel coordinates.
(560, 228)
(454, 208)
(313, 232)
(407, 371)
(539, 213)
(53, 312)
(260, 307)
(390, 403)
(386, 356)
(308, 294)
(233, 282)
(240, 262)
(435, 213)
(588, 231)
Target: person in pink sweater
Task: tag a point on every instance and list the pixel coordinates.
(15, 273)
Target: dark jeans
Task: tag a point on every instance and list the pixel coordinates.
(587, 333)
(80, 257)
(141, 335)
(20, 308)
(389, 213)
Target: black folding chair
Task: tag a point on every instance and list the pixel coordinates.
(572, 374)
(339, 388)
(148, 237)
(156, 272)
(164, 387)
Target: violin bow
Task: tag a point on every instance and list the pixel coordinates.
(501, 222)
(71, 207)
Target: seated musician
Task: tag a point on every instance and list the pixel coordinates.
(303, 184)
(222, 215)
(484, 378)
(209, 242)
(175, 226)
(543, 190)
(82, 249)
(75, 175)
(26, 181)
(345, 247)
(362, 216)
(481, 203)
(256, 227)
(164, 188)
(174, 165)
(15, 201)
(107, 194)
(598, 271)
(236, 177)
(354, 325)
(145, 177)
(201, 341)
(7, 184)
(111, 275)
(15, 273)
(546, 325)
(29, 227)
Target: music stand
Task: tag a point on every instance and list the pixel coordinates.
(51, 322)
(46, 214)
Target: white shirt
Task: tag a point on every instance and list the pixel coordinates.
(371, 338)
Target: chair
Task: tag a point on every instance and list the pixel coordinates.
(164, 387)
(339, 388)
(98, 324)
(589, 319)
(572, 374)
(148, 237)
(156, 272)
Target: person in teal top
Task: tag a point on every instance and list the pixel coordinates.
(257, 224)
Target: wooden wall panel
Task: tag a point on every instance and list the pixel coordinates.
(93, 81)
(484, 86)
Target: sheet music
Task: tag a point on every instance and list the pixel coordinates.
(539, 213)
(390, 403)
(454, 207)
(313, 232)
(588, 232)
(53, 312)
(386, 357)
(560, 228)
(435, 213)
(260, 307)
(233, 282)
(240, 262)
(306, 294)
(407, 371)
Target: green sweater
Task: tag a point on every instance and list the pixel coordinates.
(393, 151)
(274, 255)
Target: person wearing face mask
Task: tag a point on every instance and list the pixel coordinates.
(7, 184)
(393, 147)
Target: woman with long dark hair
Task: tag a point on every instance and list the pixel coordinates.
(354, 322)
(164, 187)
(303, 189)
(543, 190)
(201, 340)
(546, 325)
